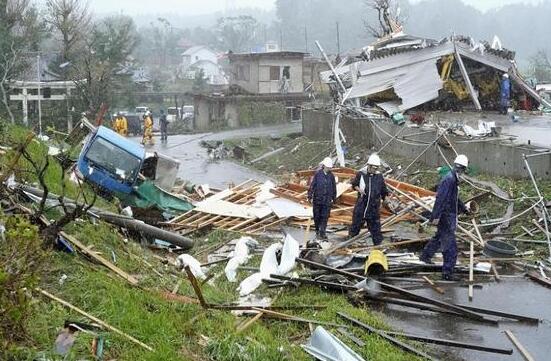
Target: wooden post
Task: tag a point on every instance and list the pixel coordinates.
(196, 287)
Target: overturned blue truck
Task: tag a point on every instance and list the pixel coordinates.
(118, 167)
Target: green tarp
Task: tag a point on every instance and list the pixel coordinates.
(148, 195)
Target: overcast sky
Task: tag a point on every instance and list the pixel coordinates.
(195, 7)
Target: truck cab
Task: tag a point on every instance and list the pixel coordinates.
(110, 162)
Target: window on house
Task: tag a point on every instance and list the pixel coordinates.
(274, 73)
(242, 72)
(286, 72)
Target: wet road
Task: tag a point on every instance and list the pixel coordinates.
(195, 165)
(533, 129)
(514, 295)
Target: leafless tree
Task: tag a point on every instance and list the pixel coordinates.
(71, 210)
(387, 16)
(70, 19)
(8, 61)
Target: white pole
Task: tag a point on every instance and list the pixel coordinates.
(39, 104)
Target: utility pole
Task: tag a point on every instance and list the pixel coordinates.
(305, 39)
(39, 96)
(338, 40)
(280, 40)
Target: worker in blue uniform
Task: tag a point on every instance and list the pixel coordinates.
(371, 188)
(444, 215)
(322, 194)
(505, 94)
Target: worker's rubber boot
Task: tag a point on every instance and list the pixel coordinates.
(450, 277)
(425, 260)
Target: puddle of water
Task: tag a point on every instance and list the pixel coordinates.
(518, 296)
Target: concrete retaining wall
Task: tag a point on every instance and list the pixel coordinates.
(487, 155)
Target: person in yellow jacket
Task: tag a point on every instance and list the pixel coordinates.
(123, 126)
(120, 125)
(115, 123)
(147, 129)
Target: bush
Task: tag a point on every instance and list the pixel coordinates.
(22, 260)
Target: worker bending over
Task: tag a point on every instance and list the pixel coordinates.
(147, 129)
(322, 194)
(371, 187)
(444, 216)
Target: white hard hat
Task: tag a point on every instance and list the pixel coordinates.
(327, 162)
(462, 160)
(505, 75)
(374, 160)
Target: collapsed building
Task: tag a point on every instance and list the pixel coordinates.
(402, 72)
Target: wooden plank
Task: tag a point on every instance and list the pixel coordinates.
(95, 319)
(480, 239)
(133, 281)
(433, 285)
(535, 277)
(527, 356)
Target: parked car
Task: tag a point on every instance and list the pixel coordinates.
(188, 112)
(173, 114)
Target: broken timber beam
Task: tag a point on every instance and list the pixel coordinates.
(196, 288)
(389, 338)
(466, 313)
(95, 319)
(519, 346)
(465, 75)
(451, 343)
(537, 278)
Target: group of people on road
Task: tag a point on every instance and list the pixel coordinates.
(372, 192)
(120, 125)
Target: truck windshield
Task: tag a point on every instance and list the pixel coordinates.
(172, 111)
(113, 159)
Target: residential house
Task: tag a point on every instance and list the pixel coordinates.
(202, 58)
(268, 73)
(198, 53)
(265, 88)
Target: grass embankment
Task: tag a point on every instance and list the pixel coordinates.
(176, 331)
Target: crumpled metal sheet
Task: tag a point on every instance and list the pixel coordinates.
(325, 346)
(415, 84)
